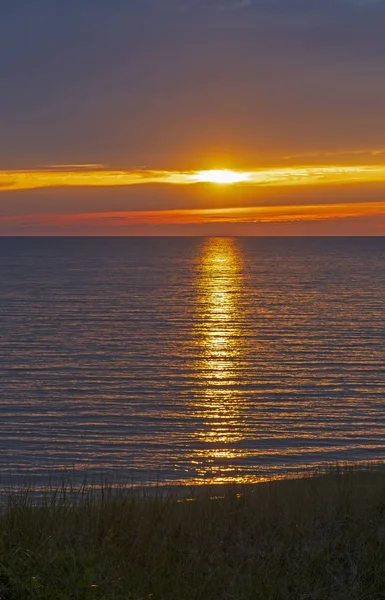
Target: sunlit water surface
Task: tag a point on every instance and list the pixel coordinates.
(190, 360)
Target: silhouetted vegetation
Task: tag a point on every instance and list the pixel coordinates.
(316, 538)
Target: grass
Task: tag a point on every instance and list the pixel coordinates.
(316, 538)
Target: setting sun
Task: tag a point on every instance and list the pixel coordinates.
(221, 176)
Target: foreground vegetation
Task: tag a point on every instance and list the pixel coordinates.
(316, 538)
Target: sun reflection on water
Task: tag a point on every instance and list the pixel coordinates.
(219, 326)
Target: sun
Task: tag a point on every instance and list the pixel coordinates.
(221, 176)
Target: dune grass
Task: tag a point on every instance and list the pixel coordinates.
(316, 538)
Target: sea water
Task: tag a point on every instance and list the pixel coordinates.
(190, 360)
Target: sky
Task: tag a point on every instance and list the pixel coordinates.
(111, 111)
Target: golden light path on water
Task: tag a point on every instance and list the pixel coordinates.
(219, 325)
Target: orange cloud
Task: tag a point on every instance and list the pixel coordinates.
(261, 214)
(274, 176)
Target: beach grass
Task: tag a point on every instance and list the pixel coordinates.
(315, 538)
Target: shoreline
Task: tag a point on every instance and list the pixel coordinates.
(117, 477)
(71, 481)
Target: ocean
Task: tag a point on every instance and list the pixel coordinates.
(190, 360)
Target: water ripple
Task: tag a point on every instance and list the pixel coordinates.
(191, 359)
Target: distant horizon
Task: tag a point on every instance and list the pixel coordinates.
(278, 237)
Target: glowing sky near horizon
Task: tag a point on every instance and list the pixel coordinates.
(155, 106)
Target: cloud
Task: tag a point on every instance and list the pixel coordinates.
(245, 215)
(364, 3)
(288, 176)
(184, 5)
(271, 6)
